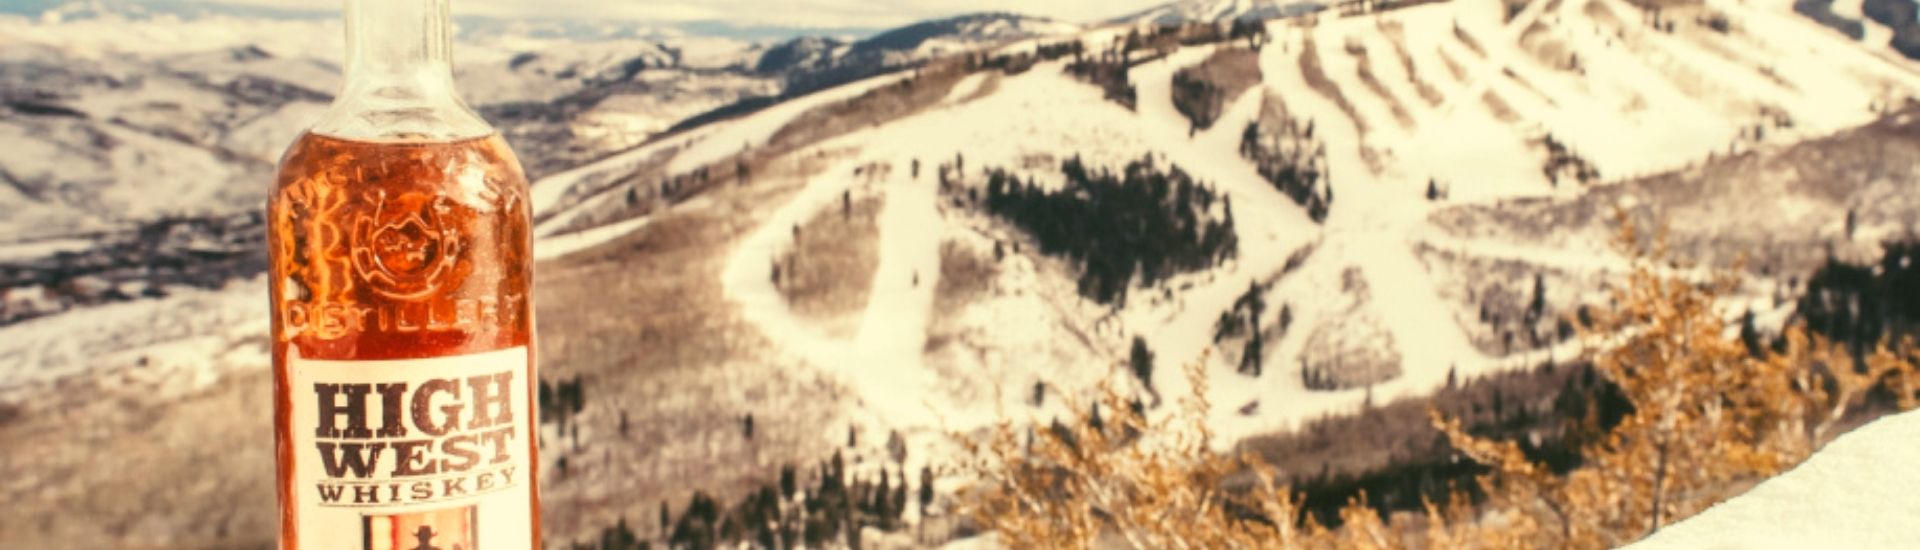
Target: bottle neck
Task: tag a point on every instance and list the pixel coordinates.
(399, 76)
(406, 45)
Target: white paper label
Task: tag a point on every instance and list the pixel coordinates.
(428, 454)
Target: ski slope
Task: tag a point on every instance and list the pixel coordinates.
(1449, 92)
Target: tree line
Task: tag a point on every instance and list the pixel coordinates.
(1142, 222)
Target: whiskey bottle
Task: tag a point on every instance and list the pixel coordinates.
(401, 268)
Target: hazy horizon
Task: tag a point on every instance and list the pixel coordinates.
(753, 18)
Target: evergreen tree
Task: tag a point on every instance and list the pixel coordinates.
(788, 485)
(926, 489)
(1141, 359)
(1538, 308)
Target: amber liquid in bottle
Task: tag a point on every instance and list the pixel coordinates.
(402, 269)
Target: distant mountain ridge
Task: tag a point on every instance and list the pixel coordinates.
(1217, 11)
(813, 63)
(974, 28)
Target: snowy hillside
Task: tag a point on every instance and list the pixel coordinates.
(1858, 492)
(1456, 95)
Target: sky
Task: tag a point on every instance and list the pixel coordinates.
(778, 13)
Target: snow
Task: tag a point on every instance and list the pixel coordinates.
(894, 333)
(884, 362)
(690, 151)
(562, 245)
(32, 250)
(550, 192)
(170, 345)
(135, 176)
(265, 137)
(754, 130)
(1857, 492)
(965, 88)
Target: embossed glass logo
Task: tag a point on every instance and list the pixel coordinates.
(404, 250)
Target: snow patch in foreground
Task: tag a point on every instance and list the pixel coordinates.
(1861, 491)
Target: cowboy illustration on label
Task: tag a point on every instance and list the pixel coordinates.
(450, 529)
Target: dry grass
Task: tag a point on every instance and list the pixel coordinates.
(1454, 68)
(1499, 107)
(1364, 68)
(1234, 69)
(1363, 442)
(1467, 39)
(1202, 91)
(643, 322)
(965, 276)
(929, 87)
(1528, 86)
(1317, 79)
(91, 467)
(989, 83)
(1601, 13)
(829, 273)
(1397, 36)
(1548, 50)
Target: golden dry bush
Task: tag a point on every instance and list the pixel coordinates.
(1706, 414)
(1111, 478)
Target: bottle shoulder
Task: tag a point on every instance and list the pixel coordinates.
(481, 172)
(401, 109)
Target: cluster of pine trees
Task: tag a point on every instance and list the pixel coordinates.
(1287, 155)
(1108, 70)
(1142, 222)
(828, 510)
(1861, 306)
(1563, 163)
(1550, 421)
(1523, 321)
(559, 402)
(1243, 319)
(1020, 61)
(1901, 16)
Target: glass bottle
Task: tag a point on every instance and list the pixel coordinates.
(401, 268)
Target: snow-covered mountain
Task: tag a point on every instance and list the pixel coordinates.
(115, 100)
(812, 63)
(1476, 155)
(1218, 11)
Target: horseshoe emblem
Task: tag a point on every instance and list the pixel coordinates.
(404, 251)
